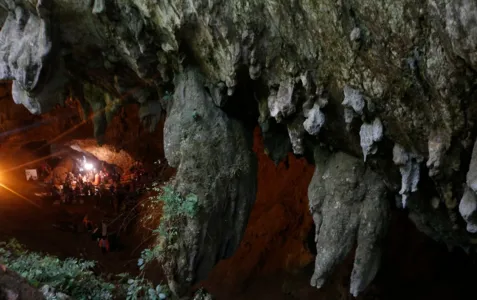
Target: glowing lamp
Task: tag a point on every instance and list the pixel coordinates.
(88, 166)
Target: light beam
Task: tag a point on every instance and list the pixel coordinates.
(19, 195)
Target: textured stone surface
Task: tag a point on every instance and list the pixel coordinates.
(409, 166)
(315, 119)
(370, 134)
(30, 56)
(214, 160)
(410, 64)
(14, 287)
(348, 204)
(468, 210)
(472, 173)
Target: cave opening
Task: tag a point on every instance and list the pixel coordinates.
(53, 174)
(276, 254)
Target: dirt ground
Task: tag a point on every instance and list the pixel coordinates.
(34, 228)
(37, 228)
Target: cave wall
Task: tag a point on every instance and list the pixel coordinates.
(276, 234)
(216, 166)
(391, 84)
(65, 125)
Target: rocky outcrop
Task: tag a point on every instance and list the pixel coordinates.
(348, 203)
(214, 160)
(357, 76)
(31, 57)
(468, 203)
(14, 287)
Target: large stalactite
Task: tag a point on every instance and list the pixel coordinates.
(348, 203)
(214, 160)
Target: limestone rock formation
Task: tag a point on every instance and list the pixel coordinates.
(409, 166)
(31, 57)
(214, 160)
(370, 134)
(348, 204)
(14, 287)
(409, 64)
(468, 203)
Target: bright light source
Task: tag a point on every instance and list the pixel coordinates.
(88, 166)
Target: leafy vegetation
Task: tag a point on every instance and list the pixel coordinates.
(75, 277)
(175, 209)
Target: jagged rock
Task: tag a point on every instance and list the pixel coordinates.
(276, 140)
(214, 160)
(355, 34)
(51, 293)
(414, 60)
(468, 210)
(468, 203)
(353, 102)
(14, 287)
(348, 203)
(410, 168)
(296, 132)
(459, 18)
(438, 144)
(370, 134)
(315, 119)
(472, 173)
(281, 103)
(150, 113)
(98, 6)
(30, 58)
(219, 94)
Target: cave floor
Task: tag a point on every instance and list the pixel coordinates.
(413, 266)
(33, 227)
(37, 229)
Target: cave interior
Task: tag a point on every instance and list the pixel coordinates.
(332, 168)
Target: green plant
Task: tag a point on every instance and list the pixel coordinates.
(175, 209)
(175, 205)
(138, 288)
(70, 276)
(75, 277)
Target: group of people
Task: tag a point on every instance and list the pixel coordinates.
(103, 186)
